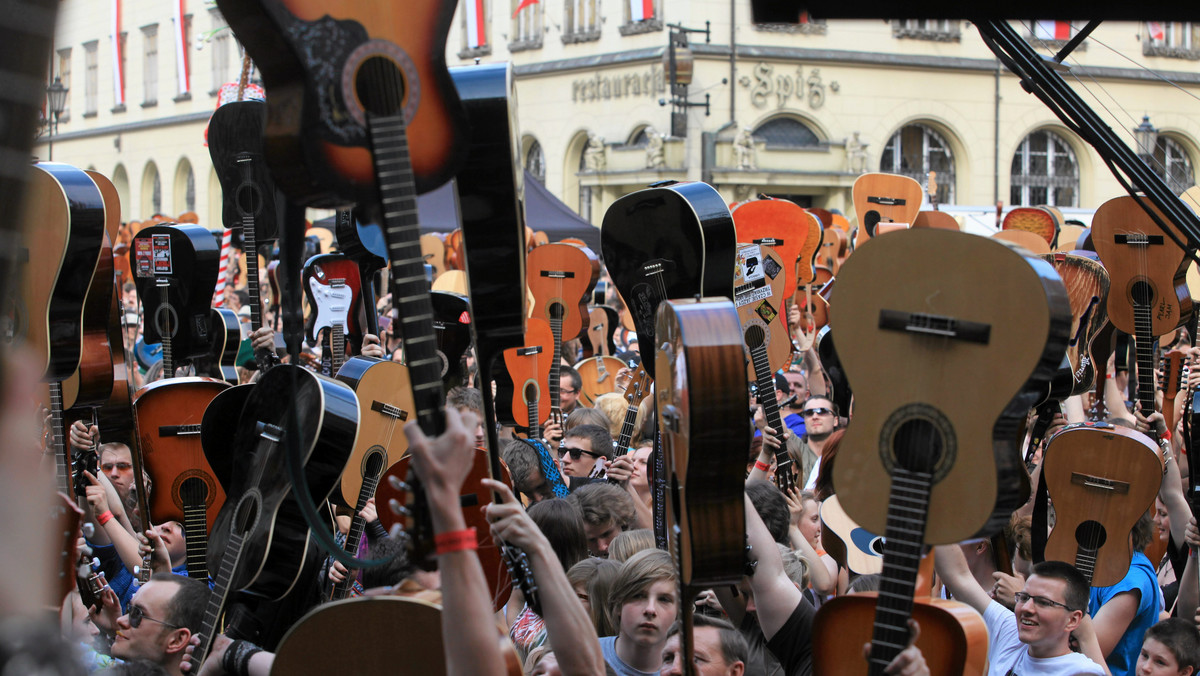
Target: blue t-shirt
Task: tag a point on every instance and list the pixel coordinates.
(1141, 577)
(608, 646)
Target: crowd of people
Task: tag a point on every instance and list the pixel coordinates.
(608, 599)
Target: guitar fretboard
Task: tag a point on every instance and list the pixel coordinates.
(62, 466)
(1144, 346)
(195, 524)
(220, 592)
(357, 525)
(785, 477)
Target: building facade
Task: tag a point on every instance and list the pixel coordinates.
(792, 110)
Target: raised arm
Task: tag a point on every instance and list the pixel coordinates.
(952, 568)
(775, 596)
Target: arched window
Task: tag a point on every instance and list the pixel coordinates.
(916, 150)
(1044, 171)
(184, 191)
(151, 191)
(585, 192)
(785, 132)
(1171, 162)
(535, 162)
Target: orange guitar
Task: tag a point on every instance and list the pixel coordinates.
(1102, 480)
(560, 278)
(1032, 219)
(786, 227)
(530, 367)
(885, 202)
(833, 251)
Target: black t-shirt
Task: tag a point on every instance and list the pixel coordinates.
(792, 644)
(760, 659)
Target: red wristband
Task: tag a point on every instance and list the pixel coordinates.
(105, 517)
(759, 464)
(455, 541)
(1165, 436)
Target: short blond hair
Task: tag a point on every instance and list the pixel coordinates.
(613, 405)
(637, 574)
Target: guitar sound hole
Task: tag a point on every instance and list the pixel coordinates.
(380, 86)
(246, 515)
(373, 462)
(248, 199)
(918, 438)
(1091, 535)
(166, 321)
(755, 335)
(531, 392)
(918, 445)
(1142, 293)
(194, 492)
(557, 311)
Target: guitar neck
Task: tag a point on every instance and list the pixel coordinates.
(627, 428)
(165, 313)
(535, 426)
(219, 594)
(905, 537)
(250, 246)
(1144, 346)
(770, 403)
(195, 524)
(337, 339)
(555, 370)
(62, 464)
(358, 526)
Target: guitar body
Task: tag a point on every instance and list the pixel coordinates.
(1068, 237)
(935, 219)
(62, 232)
(434, 253)
(452, 323)
(1087, 289)
(848, 543)
(890, 199)
(705, 437)
(906, 371)
(1031, 242)
(603, 321)
(832, 365)
(289, 405)
(454, 250)
(225, 334)
(1153, 275)
(1102, 479)
(235, 143)
(1032, 219)
(529, 367)
(560, 278)
(599, 375)
(668, 241)
(759, 295)
(385, 402)
(954, 639)
(451, 281)
(786, 227)
(115, 415)
(834, 245)
(92, 382)
(323, 65)
(490, 557)
(186, 257)
(218, 428)
(819, 309)
(333, 287)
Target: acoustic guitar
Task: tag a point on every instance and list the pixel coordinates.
(1149, 270)
(1086, 282)
(848, 543)
(1175, 375)
(530, 367)
(1031, 242)
(888, 200)
(705, 440)
(433, 250)
(1102, 479)
(834, 249)
(926, 464)
(1032, 219)
(636, 391)
(92, 382)
(794, 234)
(62, 232)
(672, 240)
(560, 278)
(333, 288)
(225, 340)
(1068, 238)
(759, 293)
(832, 365)
(599, 370)
(934, 218)
(452, 324)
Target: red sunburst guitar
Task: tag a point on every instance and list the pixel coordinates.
(1032, 219)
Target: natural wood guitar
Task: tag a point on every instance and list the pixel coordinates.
(888, 200)
(1086, 282)
(1032, 219)
(560, 278)
(530, 367)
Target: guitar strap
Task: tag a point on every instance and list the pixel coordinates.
(1038, 534)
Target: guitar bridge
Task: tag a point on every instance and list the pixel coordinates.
(558, 274)
(1138, 239)
(1089, 481)
(887, 201)
(178, 430)
(531, 349)
(935, 325)
(389, 410)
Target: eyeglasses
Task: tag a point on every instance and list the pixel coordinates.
(810, 412)
(575, 453)
(1040, 601)
(136, 615)
(567, 390)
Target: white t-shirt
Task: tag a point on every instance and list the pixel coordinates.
(1008, 656)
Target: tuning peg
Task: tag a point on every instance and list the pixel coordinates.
(397, 484)
(398, 508)
(88, 529)
(137, 571)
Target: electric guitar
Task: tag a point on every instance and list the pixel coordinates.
(759, 292)
(333, 289)
(705, 440)
(927, 464)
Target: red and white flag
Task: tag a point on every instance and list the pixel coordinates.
(523, 5)
(181, 55)
(223, 269)
(118, 66)
(1156, 30)
(640, 10)
(1052, 30)
(476, 24)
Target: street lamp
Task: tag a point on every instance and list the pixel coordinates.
(56, 95)
(1147, 140)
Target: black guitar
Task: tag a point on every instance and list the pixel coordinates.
(363, 243)
(225, 338)
(452, 322)
(841, 392)
(260, 539)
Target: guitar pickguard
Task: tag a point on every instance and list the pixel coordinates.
(333, 304)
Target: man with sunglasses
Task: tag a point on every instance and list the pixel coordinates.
(1034, 637)
(163, 616)
(582, 447)
(820, 421)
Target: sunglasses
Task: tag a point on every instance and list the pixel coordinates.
(810, 412)
(575, 453)
(136, 615)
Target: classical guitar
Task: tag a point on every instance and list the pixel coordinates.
(333, 288)
(175, 270)
(848, 543)
(705, 440)
(833, 251)
(251, 202)
(794, 234)
(62, 232)
(672, 240)
(92, 382)
(385, 402)
(636, 391)
(1148, 274)
(1086, 282)
(926, 464)
(433, 250)
(599, 369)
(452, 324)
(1102, 479)
(758, 294)
(1032, 219)
(493, 248)
(1175, 374)
(560, 278)
(889, 201)
(225, 339)
(530, 367)
(260, 538)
